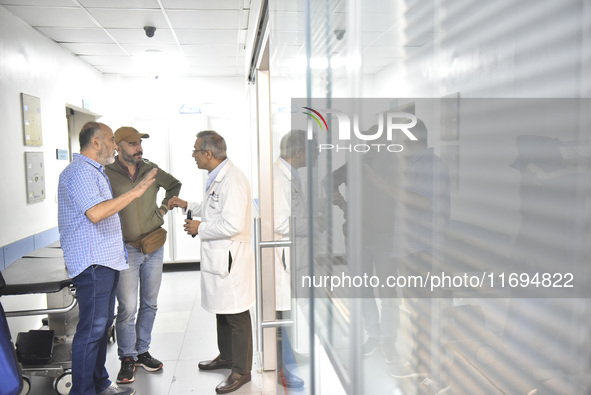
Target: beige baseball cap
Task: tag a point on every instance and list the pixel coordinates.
(128, 134)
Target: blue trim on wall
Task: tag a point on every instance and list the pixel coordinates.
(16, 250)
(47, 237)
(13, 251)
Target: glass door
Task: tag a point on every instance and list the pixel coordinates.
(173, 155)
(283, 323)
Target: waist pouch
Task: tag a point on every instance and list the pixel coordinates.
(151, 241)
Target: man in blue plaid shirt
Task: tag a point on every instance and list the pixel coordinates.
(94, 252)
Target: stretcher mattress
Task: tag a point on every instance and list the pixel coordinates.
(36, 274)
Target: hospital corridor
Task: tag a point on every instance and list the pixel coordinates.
(319, 197)
(182, 337)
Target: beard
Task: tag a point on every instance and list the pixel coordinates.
(106, 156)
(134, 159)
(110, 159)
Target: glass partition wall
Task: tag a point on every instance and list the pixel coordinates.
(443, 242)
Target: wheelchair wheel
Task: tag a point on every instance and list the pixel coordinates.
(26, 385)
(111, 334)
(62, 384)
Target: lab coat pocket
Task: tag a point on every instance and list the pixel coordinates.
(216, 261)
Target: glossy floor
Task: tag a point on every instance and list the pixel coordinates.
(183, 335)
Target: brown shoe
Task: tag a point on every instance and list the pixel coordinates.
(216, 363)
(232, 383)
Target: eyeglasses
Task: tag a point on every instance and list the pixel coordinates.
(198, 150)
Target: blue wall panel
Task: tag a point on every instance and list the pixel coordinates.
(44, 239)
(13, 251)
(16, 250)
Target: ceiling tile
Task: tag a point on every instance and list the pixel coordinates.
(216, 37)
(134, 49)
(52, 16)
(213, 20)
(138, 36)
(46, 3)
(61, 35)
(131, 4)
(126, 18)
(209, 31)
(94, 49)
(202, 4)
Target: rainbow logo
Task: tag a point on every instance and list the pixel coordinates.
(315, 118)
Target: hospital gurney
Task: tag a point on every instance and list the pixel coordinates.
(45, 352)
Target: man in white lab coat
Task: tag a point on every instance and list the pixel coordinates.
(227, 258)
(289, 201)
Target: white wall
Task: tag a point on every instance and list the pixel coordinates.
(37, 66)
(222, 100)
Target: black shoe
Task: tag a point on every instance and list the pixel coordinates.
(232, 383)
(216, 363)
(370, 346)
(148, 362)
(390, 353)
(126, 373)
(289, 380)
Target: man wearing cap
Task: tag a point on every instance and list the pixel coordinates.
(144, 236)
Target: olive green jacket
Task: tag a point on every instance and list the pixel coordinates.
(142, 216)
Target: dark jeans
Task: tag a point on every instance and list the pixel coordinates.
(95, 289)
(235, 340)
(428, 311)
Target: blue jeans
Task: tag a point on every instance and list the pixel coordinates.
(144, 274)
(376, 255)
(95, 289)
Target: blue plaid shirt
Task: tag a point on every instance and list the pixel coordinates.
(83, 184)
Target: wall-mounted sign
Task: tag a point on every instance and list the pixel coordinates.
(61, 154)
(35, 171)
(31, 109)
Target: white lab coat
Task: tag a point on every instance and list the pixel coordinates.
(289, 201)
(227, 258)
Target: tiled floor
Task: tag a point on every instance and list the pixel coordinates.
(183, 335)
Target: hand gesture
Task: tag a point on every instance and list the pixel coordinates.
(176, 202)
(146, 182)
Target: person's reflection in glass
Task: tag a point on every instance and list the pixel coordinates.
(289, 201)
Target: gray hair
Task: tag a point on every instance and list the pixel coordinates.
(88, 131)
(212, 141)
(293, 141)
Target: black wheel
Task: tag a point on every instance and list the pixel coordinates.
(62, 384)
(112, 330)
(112, 334)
